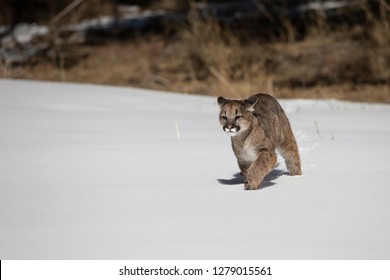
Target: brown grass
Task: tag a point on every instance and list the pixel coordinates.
(350, 63)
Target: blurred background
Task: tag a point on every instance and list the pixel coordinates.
(292, 49)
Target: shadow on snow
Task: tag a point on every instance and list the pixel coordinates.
(267, 182)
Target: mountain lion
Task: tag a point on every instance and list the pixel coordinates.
(258, 126)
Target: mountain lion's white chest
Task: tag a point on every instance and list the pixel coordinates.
(248, 153)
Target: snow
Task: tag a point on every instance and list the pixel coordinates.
(25, 33)
(97, 172)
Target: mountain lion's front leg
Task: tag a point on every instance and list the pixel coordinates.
(257, 171)
(243, 165)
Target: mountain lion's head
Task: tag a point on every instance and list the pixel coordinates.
(236, 115)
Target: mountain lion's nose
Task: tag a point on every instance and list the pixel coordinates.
(230, 126)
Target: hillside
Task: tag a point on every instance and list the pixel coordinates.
(329, 49)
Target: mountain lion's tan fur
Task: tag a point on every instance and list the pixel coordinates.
(258, 126)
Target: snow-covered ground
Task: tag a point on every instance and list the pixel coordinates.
(96, 172)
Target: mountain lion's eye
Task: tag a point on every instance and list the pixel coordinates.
(224, 118)
(237, 117)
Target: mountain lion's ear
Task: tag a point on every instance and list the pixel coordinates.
(221, 101)
(250, 103)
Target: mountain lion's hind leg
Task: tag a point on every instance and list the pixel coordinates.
(289, 151)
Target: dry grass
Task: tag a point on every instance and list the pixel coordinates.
(350, 63)
(156, 64)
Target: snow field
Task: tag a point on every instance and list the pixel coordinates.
(96, 172)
